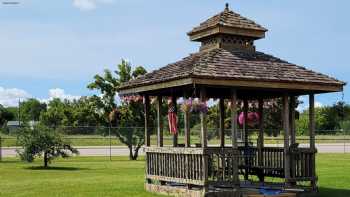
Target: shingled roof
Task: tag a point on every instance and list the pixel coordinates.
(228, 56)
(228, 18)
(223, 64)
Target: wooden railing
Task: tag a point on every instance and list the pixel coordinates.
(302, 168)
(215, 165)
(180, 165)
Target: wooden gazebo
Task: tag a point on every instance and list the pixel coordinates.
(228, 66)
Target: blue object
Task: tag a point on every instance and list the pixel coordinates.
(269, 192)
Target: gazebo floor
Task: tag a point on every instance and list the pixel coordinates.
(246, 190)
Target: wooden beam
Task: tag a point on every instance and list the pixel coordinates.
(222, 121)
(234, 118)
(312, 137)
(203, 116)
(187, 129)
(159, 122)
(156, 86)
(292, 120)
(312, 120)
(245, 127)
(261, 135)
(175, 136)
(204, 140)
(270, 85)
(147, 129)
(245, 134)
(234, 136)
(285, 116)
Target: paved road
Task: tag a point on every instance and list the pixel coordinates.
(123, 151)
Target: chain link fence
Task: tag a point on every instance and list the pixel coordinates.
(103, 141)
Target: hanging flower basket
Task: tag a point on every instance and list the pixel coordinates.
(252, 118)
(194, 106)
(132, 98)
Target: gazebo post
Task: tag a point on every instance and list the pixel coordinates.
(234, 118)
(222, 122)
(234, 135)
(286, 138)
(312, 137)
(159, 122)
(245, 128)
(292, 133)
(175, 136)
(203, 116)
(261, 136)
(204, 139)
(292, 120)
(147, 131)
(187, 126)
(245, 133)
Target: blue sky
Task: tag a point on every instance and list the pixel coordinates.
(54, 48)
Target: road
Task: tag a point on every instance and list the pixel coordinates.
(123, 151)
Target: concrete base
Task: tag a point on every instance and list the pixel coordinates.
(181, 191)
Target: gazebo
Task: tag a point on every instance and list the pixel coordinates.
(229, 67)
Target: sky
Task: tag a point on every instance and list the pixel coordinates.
(52, 49)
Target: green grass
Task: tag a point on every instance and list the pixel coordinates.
(79, 176)
(97, 176)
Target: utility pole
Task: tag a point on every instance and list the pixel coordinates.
(19, 112)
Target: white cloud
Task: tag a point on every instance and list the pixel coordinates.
(305, 104)
(59, 93)
(10, 96)
(87, 5)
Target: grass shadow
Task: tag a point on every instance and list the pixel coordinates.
(55, 168)
(333, 192)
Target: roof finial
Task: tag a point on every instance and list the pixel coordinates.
(227, 6)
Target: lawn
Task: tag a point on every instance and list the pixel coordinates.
(97, 176)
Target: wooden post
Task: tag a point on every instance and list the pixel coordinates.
(245, 132)
(175, 136)
(203, 116)
(204, 140)
(261, 136)
(222, 122)
(245, 128)
(147, 131)
(312, 137)
(286, 138)
(292, 120)
(234, 136)
(234, 118)
(292, 135)
(187, 129)
(159, 122)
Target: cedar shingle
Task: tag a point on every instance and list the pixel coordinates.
(223, 64)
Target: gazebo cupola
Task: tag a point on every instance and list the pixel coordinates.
(227, 30)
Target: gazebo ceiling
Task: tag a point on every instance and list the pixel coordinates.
(229, 59)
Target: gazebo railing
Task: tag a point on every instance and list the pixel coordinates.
(216, 165)
(179, 165)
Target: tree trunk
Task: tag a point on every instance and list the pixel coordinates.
(45, 160)
(131, 156)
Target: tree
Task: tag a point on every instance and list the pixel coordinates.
(5, 115)
(55, 114)
(129, 115)
(42, 141)
(31, 109)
